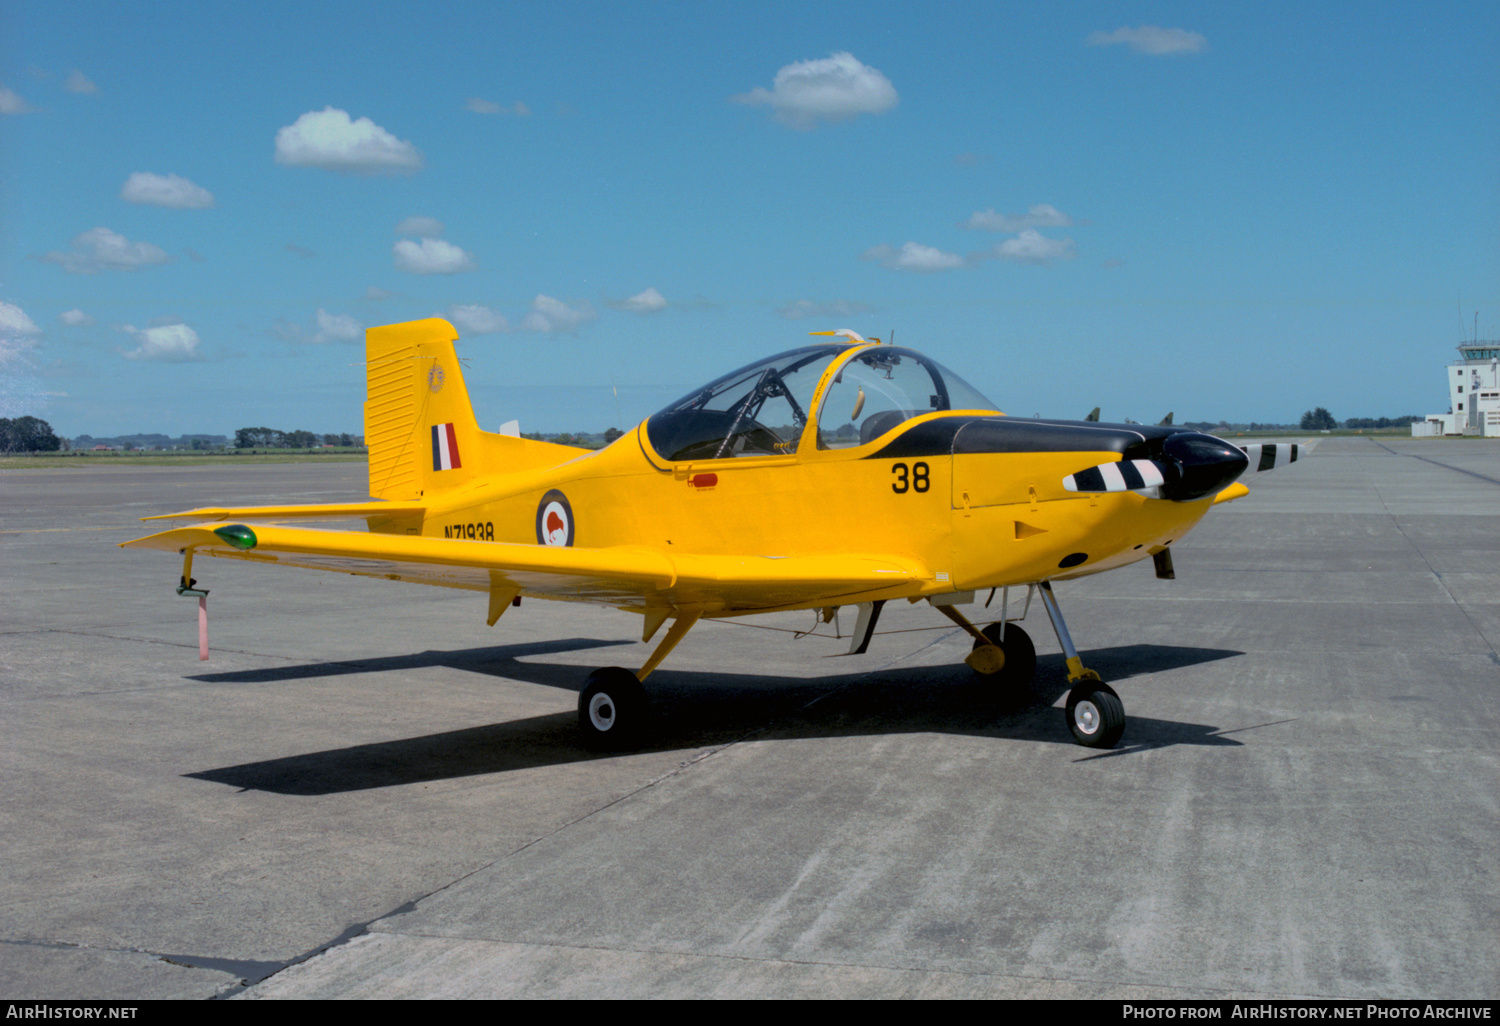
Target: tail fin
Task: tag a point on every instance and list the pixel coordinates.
(419, 422)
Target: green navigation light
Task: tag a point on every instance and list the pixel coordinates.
(238, 535)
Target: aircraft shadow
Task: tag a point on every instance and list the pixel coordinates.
(495, 660)
(697, 710)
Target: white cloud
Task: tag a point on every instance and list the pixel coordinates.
(553, 315)
(77, 82)
(14, 322)
(914, 256)
(14, 350)
(421, 227)
(12, 103)
(473, 319)
(1032, 247)
(165, 191)
(835, 88)
(288, 331)
(330, 139)
(168, 343)
(1149, 39)
(431, 256)
(647, 302)
(20, 392)
(17, 338)
(100, 249)
(1041, 215)
(376, 294)
(337, 327)
(805, 308)
(479, 106)
(75, 318)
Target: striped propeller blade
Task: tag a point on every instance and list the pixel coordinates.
(1124, 476)
(1270, 455)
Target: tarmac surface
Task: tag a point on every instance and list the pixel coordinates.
(367, 793)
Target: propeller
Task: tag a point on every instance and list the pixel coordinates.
(1270, 455)
(1191, 466)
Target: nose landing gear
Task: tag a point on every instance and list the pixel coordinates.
(1095, 714)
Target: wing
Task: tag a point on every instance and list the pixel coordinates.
(629, 577)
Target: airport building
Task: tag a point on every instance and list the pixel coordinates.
(1473, 394)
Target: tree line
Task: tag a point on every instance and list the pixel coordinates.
(27, 434)
(1321, 420)
(270, 438)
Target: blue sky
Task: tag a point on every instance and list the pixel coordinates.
(1226, 210)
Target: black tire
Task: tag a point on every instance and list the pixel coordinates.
(1096, 716)
(1020, 657)
(612, 709)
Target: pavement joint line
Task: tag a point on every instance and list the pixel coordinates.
(1401, 528)
(922, 970)
(1437, 463)
(190, 962)
(99, 633)
(411, 903)
(349, 933)
(354, 664)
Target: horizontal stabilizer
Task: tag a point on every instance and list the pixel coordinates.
(330, 511)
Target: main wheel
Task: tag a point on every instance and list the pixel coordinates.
(1096, 716)
(612, 709)
(1020, 656)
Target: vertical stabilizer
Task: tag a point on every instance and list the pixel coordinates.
(419, 422)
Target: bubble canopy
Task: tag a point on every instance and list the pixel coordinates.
(763, 408)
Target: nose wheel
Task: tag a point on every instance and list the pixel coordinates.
(1096, 716)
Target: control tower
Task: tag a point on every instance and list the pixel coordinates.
(1473, 394)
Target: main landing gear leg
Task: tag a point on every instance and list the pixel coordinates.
(1095, 714)
(613, 707)
(1006, 659)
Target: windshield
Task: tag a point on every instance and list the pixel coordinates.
(883, 387)
(758, 410)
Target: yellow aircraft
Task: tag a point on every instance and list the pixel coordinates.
(842, 473)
